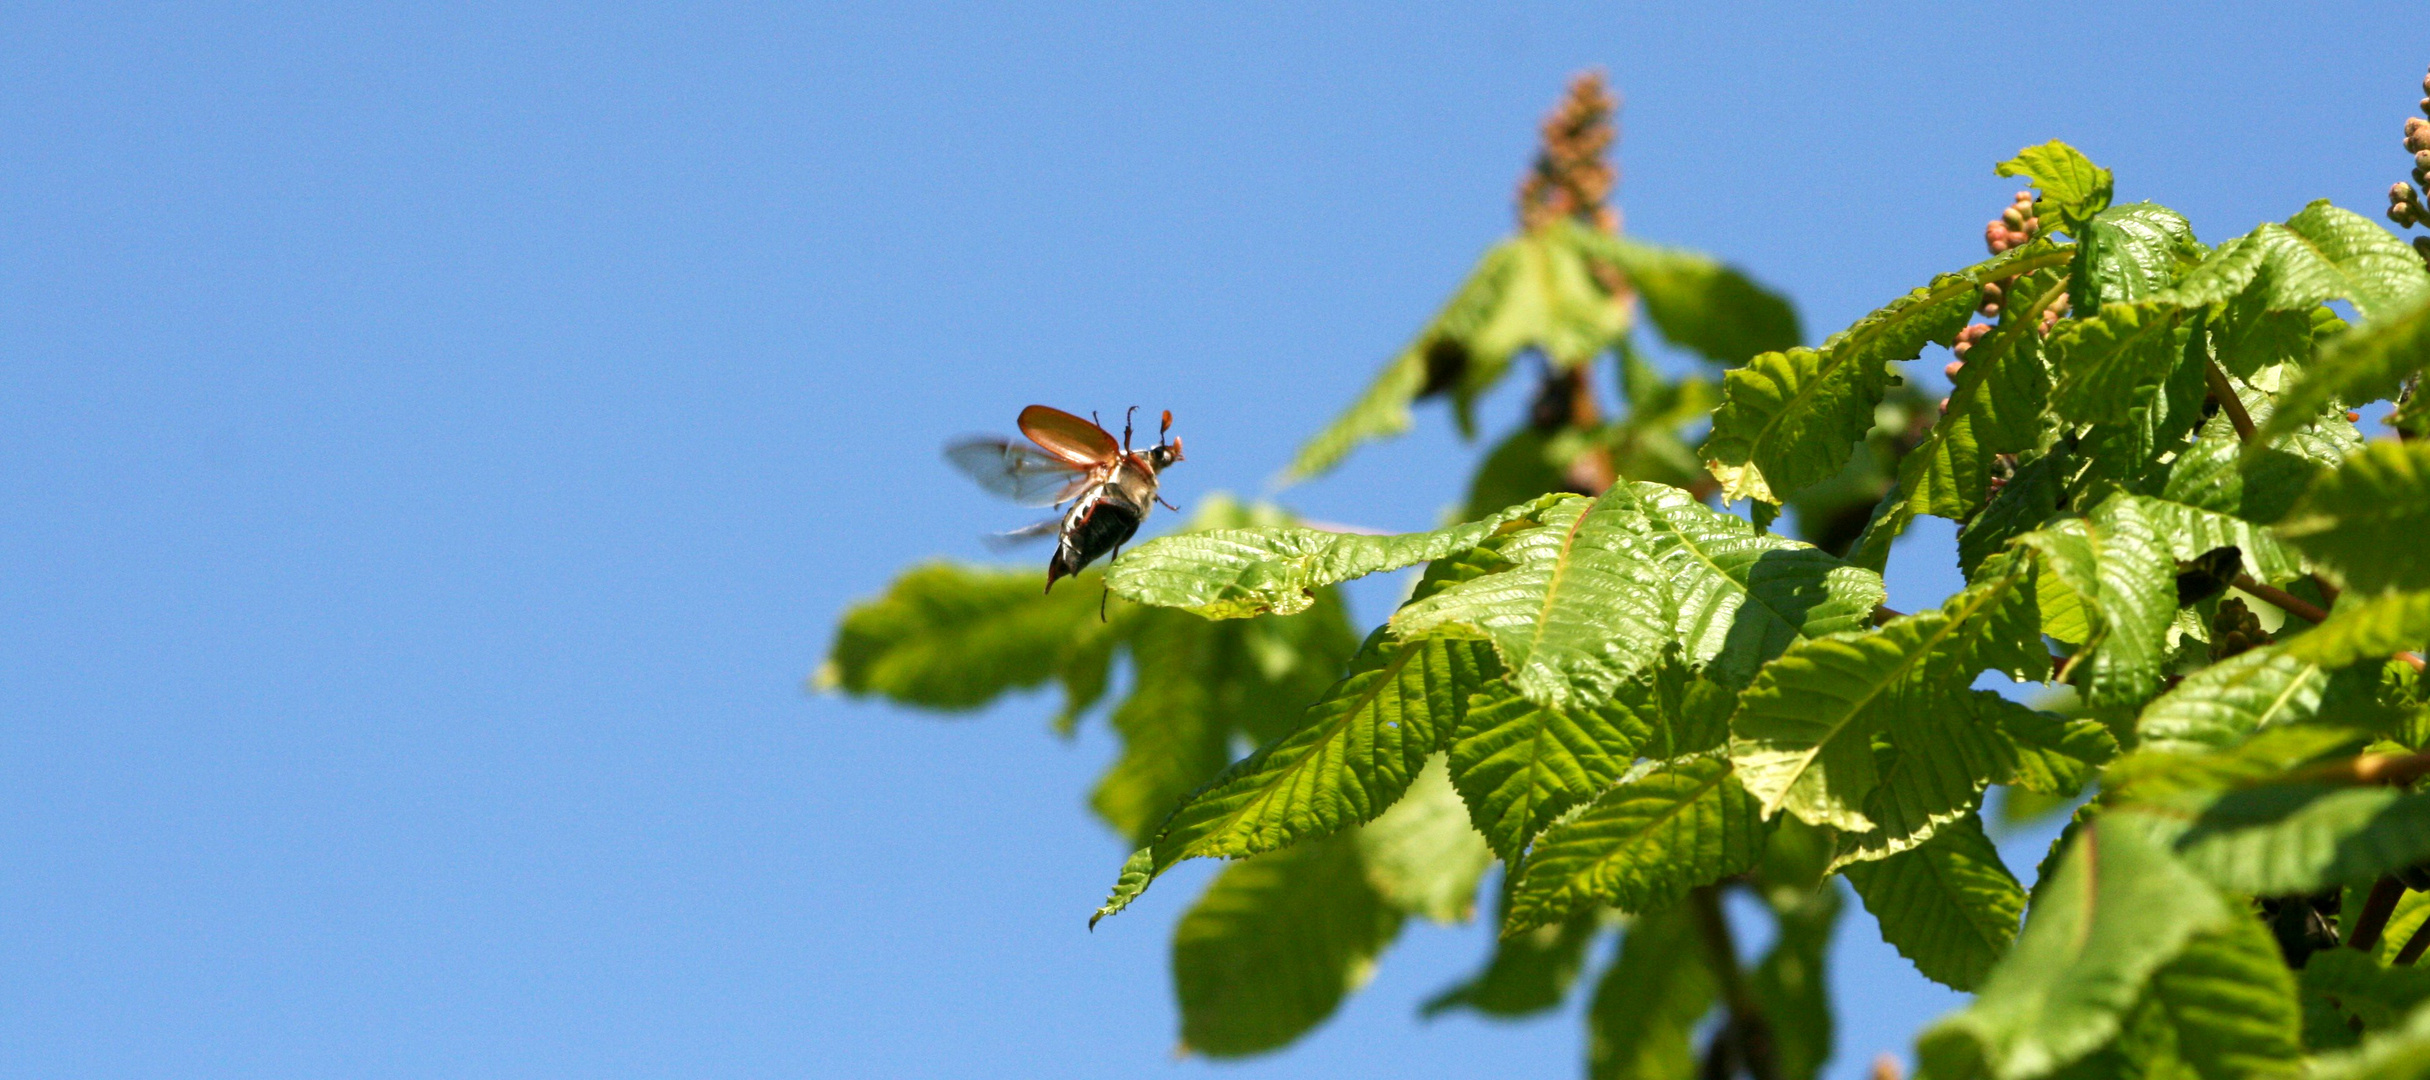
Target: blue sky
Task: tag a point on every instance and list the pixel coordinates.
(437, 443)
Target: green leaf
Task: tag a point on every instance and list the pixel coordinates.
(1802, 736)
(2101, 361)
(2220, 705)
(1580, 609)
(1519, 468)
(2116, 910)
(957, 637)
(1742, 596)
(1649, 1000)
(1995, 408)
(1421, 855)
(2189, 532)
(2399, 1054)
(1950, 905)
(2073, 189)
(2215, 474)
(2122, 574)
(1642, 844)
(1519, 765)
(1236, 573)
(2160, 774)
(1791, 419)
(1274, 945)
(1537, 290)
(1937, 754)
(2377, 996)
(1198, 685)
(2131, 252)
(1696, 302)
(2322, 253)
(1529, 972)
(2366, 363)
(1358, 749)
(2368, 523)
(1790, 988)
(2280, 839)
(2360, 630)
(2028, 500)
(2231, 1003)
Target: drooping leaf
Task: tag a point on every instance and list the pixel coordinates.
(1802, 736)
(2280, 839)
(1950, 905)
(2366, 363)
(2100, 361)
(1790, 989)
(1790, 419)
(1273, 946)
(2230, 1003)
(1649, 1000)
(2322, 253)
(1422, 855)
(1519, 765)
(1642, 844)
(2368, 523)
(2220, 705)
(1579, 610)
(1696, 302)
(1236, 573)
(1939, 753)
(2073, 189)
(2131, 252)
(2120, 572)
(1530, 971)
(1742, 596)
(2117, 908)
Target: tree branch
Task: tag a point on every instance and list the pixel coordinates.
(2285, 601)
(2375, 911)
(2224, 392)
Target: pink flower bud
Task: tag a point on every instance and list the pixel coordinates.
(1951, 369)
(2013, 218)
(2033, 225)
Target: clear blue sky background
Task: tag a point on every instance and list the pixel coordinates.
(435, 446)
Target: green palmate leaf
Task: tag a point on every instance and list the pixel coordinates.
(1642, 844)
(1802, 738)
(2131, 252)
(2158, 775)
(1235, 573)
(2399, 1054)
(1647, 1005)
(1790, 419)
(1579, 610)
(2122, 575)
(2073, 189)
(1943, 749)
(957, 637)
(1742, 596)
(1532, 291)
(1790, 989)
(2130, 454)
(1950, 905)
(1201, 684)
(1421, 855)
(1696, 302)
(2321, 254)
(2364, 364)
(2215, 474)
(2279, 839)
(2190, 532)
(2220, 705)
(1273, 946)
(2100, 362)
(1529, 973)
(1519, 765)
(2365, 629)
(2374, 995)
(2368, 523)
(2117, 909)
(2229, 1006)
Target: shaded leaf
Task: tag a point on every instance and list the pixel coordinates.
(1696, 302)
(1519, 765)
(2361, 630)
(2280, 839)
(1274, 945)
(2375, 995)
(2368, 523)
(2366, 363)
(1649, 1000)
(1421, 854)
(2220, 705)
(1950, 906)
(2100, 361)
(1530, 971)
(1641, 845)
(2122, 576)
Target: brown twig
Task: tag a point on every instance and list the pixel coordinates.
(2224, 392)
(2415, 945)
(2286, 601)
(2397, 769)
(2375, 911)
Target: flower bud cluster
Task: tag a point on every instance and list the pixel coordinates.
(2235, 630)
(1570, 177)
(2405, 201)
(2014, 227)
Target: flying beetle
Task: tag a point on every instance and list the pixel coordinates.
(1110, 487)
